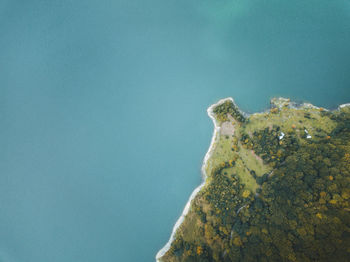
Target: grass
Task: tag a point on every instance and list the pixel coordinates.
(291, 120)
(288, 119)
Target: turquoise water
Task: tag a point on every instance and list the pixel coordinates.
(103, 109)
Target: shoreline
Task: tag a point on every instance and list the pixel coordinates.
(179, 221)
(344, 105)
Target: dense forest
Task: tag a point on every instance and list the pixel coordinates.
(300, 212)
(228, 107)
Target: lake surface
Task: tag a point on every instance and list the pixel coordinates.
(103, 109)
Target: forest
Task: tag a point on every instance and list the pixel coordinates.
(228, 107)
(300, 212)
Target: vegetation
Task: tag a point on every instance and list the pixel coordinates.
(228, 107)
(273, 198)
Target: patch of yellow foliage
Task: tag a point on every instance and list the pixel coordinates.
(345, 195)
(231, 162)
(274, 110)
(237, 241)
(246, 193)
(347, 157)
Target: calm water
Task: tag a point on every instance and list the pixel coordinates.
(103, 109)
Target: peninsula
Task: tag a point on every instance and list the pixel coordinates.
(276, 187)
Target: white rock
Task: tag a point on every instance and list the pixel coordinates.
(281, 136)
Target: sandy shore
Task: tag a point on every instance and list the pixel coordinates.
(204, 176)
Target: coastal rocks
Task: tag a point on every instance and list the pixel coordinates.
(279, 102)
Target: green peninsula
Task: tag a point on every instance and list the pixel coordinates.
(277, 188)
